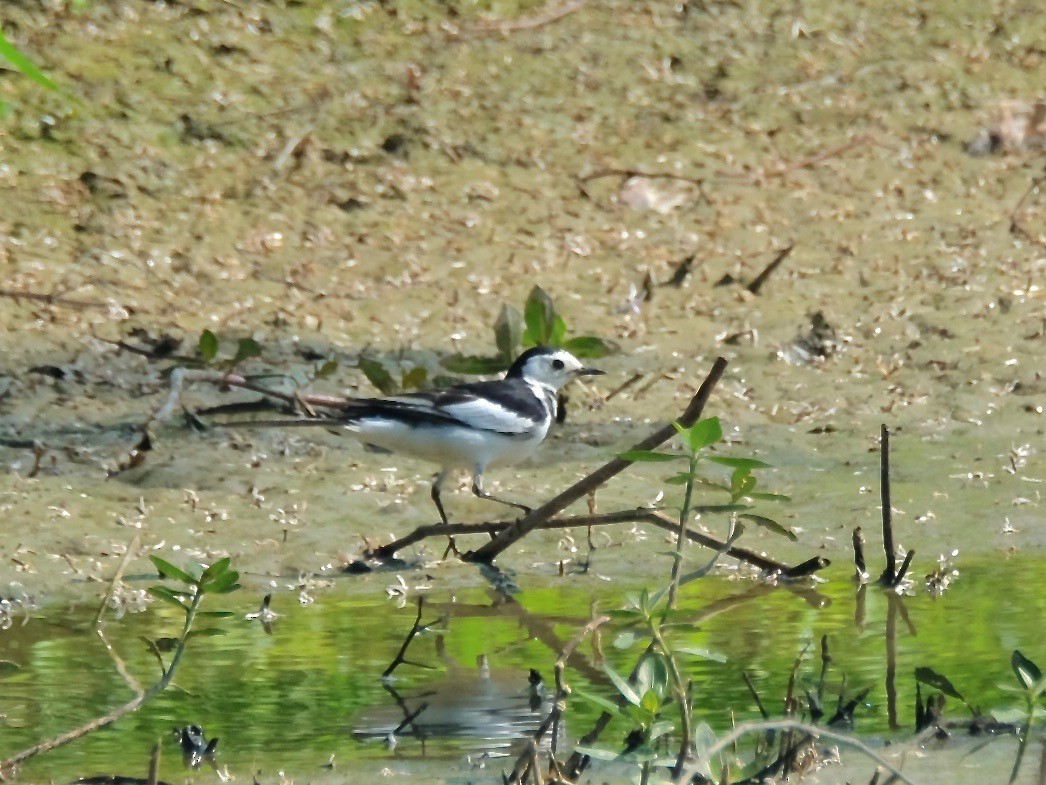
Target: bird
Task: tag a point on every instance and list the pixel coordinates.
(470, 426)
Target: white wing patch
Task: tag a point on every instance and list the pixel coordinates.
(490, 416)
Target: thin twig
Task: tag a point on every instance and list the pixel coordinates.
(531, 22)
(51, 299)
(790, 725)
(812, 160)
(598, 478)
(639, 515)
(759, 280)
(132, 546)
(859, 563)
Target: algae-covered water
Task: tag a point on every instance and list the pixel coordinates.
(339, 179)
(311, 687)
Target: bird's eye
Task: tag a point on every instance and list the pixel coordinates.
(557, 365)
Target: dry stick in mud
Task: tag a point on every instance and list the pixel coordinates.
(531, 22)
(51, 299)
(181, 376)
(759, 280)
(579, 490)
(891, 576)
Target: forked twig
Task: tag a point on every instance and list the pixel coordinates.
(638, 515)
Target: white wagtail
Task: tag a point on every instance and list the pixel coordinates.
(468, 426)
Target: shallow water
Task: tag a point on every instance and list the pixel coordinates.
(288, 700)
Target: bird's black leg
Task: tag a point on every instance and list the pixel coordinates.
(437, 483)
(477, 489)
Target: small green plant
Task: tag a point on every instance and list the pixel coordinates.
(13, 55)
(1033, 688)
(379, 374)
(208, 347)
(740, 486)
(656, 701)
(538, 325)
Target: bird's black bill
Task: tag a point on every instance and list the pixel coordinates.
(590, 372)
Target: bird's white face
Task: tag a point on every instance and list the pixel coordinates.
(556, 368)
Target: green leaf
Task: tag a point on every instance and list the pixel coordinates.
(508, 332)
(625, 640)
(216, 614)
(588, 347)
(598, 700)
(741, 483)
(769, 524)
(597, 753)
(701, 434)
(217, 569)
(7, 668)
(208, 346)
(650, 702)
(659, 729)
(326, 370)
(697, 651)
(932, 678)
(377, 374)
(1026, 671)
(623, 686)
(539, 316)
(228, 588)
(470, 364)
(245, 349)
(771, 497)
(647, 456)
(415, 378)
(558, 331)
(652, 674)
(739, 463)
(14, 56)
(168, 570)
(167, 595)
(679, 479)
(704, 740)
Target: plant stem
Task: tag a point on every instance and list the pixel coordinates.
(1023, 743)
(133, 705)
(684, 514)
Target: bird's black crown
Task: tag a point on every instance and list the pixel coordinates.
(516, 371)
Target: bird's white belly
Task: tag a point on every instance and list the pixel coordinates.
(448, 446)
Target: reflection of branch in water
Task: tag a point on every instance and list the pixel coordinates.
(894, 606)
(528, 761)
(401, 655)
